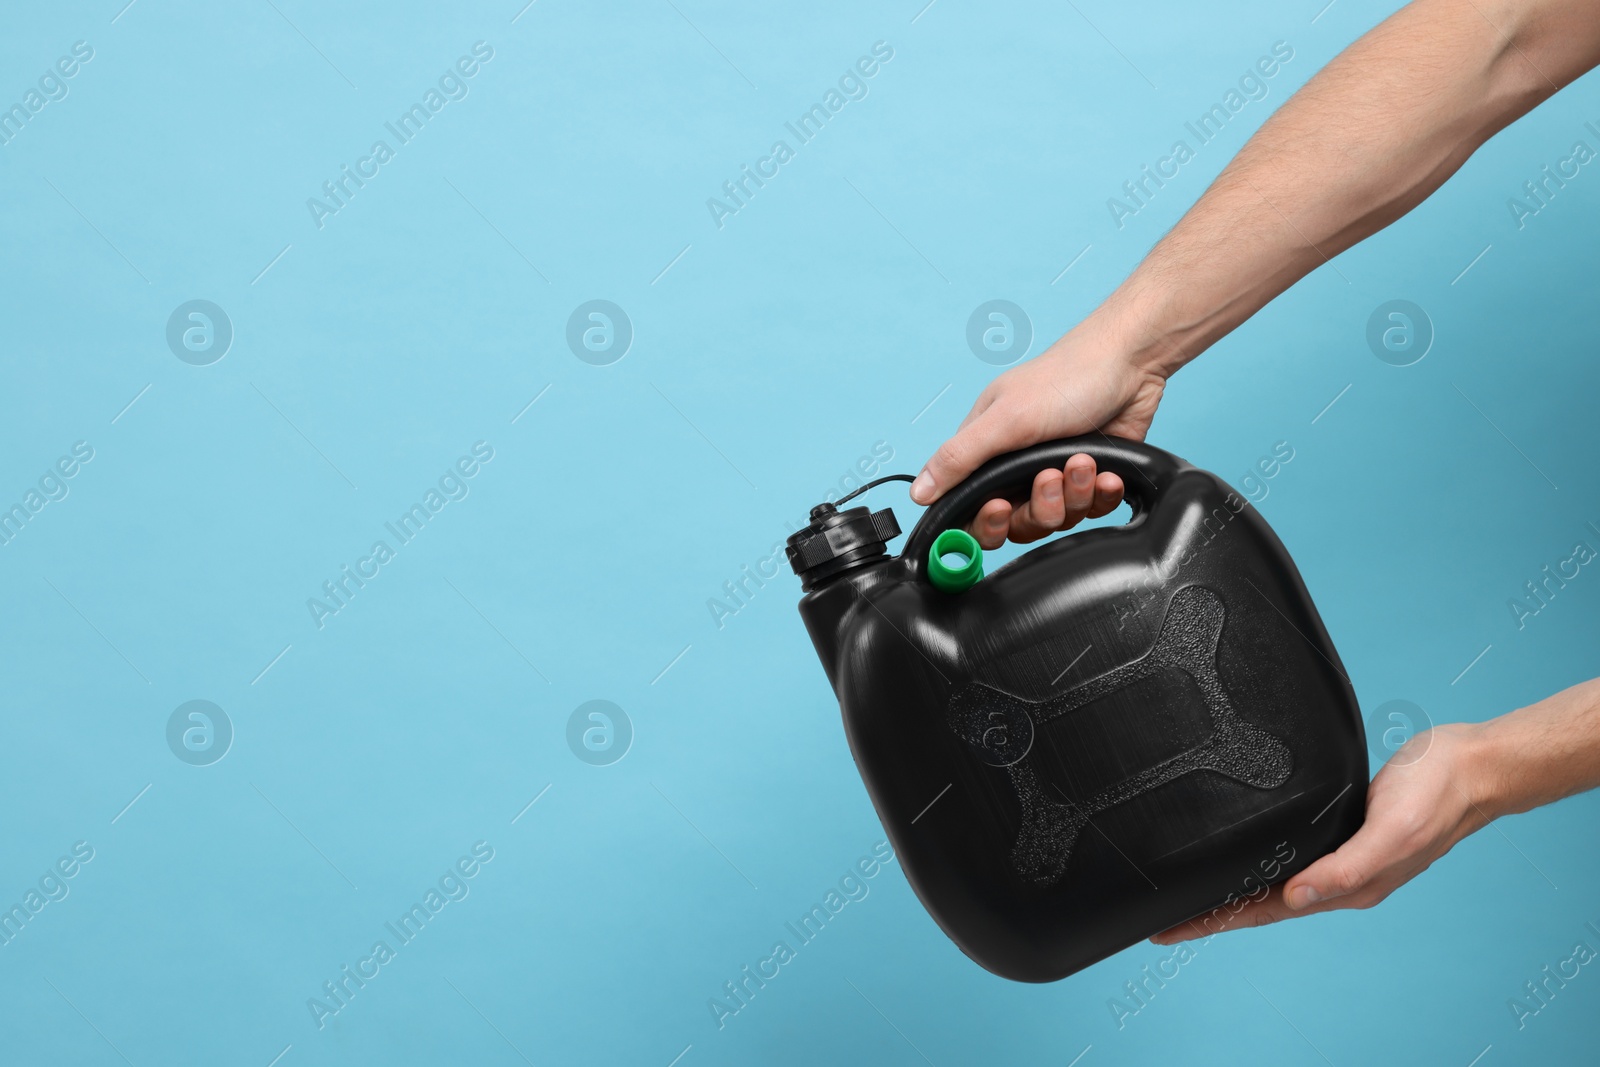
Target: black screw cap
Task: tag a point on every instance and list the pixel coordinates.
(838, 541)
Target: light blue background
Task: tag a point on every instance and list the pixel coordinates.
(776, 351)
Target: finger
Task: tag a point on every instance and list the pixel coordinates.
(1248, 914)
(989, 526)
(1107, 495)
(987, 435)
(1238, 913)
(1043, 512)
(1347, 870)
(1184, 931)
(1078, 488)
(1082, 494)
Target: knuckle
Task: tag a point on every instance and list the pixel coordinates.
(1348, 879)
(1049, 514)
(951, 455)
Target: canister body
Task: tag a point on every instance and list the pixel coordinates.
(1122, 729)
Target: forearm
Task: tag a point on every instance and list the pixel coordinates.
(1366, 140)
(1541, 753)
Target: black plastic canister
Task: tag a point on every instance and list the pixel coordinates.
(1121, 729)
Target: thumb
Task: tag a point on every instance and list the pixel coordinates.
(1340, 873)
(985, 437)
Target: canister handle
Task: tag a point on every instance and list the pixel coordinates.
(1146, 472)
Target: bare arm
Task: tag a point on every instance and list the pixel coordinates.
(1365, 141)
(1542, 753)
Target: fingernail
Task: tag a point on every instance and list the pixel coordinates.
(922, 488)
(1052, 490)
(1304, 897)
(1080, 477)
